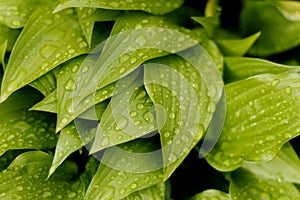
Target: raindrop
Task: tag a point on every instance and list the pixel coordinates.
(82, 44)
(105, 141)
(133, 60)
(140, 106)
(47, 194)
(141, 40)
(133, 114)
(122, 191)
(172, 157)
(148, 116)
(167, 134)
(71, 194)
(172, 115)
(122, 122)
(288, 90)
(70, 85)
(275, 82)
(47, 51)
(141, 94)
(133, 185)
(122, 70)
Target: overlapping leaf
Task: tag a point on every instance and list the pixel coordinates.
(284, 167)
(157, 8)
(129, 115)
(26, 178)
(238, 68)
(184, 99)
(21, 129)
(154, 192)
(262, 114)
(47, 41)
(245, 185)
(125, 169)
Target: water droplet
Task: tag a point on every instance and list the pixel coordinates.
(172, 157)
(71, 51)
(47, 51)
(141, 94)
(23, 126)
(70, 85)
(133, 114)
(288, 90)
(167, 134)
(140, 106)
(133, 60)
(82, 44)
(133, 186)
(121, 122)
(46, 194)
(141, 40)
(172, 115)
(71, 194)
(184, 138)
(275, 82)
(64, 120)
(105, 141)
(122, 191)
(122, 70)
(84, 69)
(148, 116)
(19, 188)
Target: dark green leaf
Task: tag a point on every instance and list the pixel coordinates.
(26, 178)
(125, 169)
(268, 17)
(46, 84)
(47, 41)
(245, 185)
(157, 8)
(238, 68)
(23, 129)
(262, 113)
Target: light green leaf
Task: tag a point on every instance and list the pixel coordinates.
(245, 185)
(238, 68)
(48, 104)
(47, 41)
(132, 43)
(16, 13)
(3, 47)
(125, 169)
(154, 192)
(290, 9)
(269, 19)
(88, 16)
(23, 129)
(26, 178)
(95, 112)
(158, 8)
(184, 100)
(130, 115)
(210, 24)
(211, 194)
(72, 138)
(237, 47)
(262, 114)
(284, 167)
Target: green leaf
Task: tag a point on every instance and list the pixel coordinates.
(211, 194)
(23, 129)
(15, 13)
(9, 35)
(284, 167)
(130, 115)
(154, 192)
(46, 84)
(47, 41)
(7, 158)
(48, 104)
(268, 17)
(132, 43)
(237, 47)
(158, 8)
(184, 99)
(125, 169)
(245, 185)
(3, 47)
(262, 114)
(72, 138)
(88, 16)
(238, 68)
(210, 24)
(25, 178)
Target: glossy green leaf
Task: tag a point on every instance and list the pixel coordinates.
(132, 43)
(150, 193)
(157, 8)
(268, 17)
(7, 158)
(47, 41)
(211, 47)
(88, 16)
(284, 167)
(245, 185)
(237, 47)
(130, 115)
(48, 104)
(95, 112)
(262, 114)
(184, 100)
(16, 13)
(72, 138)
(26, 178)
(238, 68)
(125, 169)
(211, 194)
(210, 24)
(23, 129)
